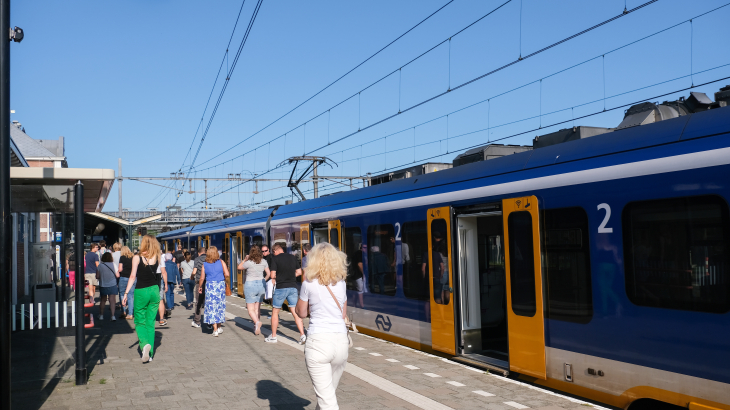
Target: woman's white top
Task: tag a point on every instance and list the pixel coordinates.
(187, 268)
(116, 255)
(255, 271)
(324, 315)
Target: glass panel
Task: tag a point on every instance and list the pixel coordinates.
(568, 265)
(522, 264)
(381, 259)
(353, 248)
(335, 238)
(677, 254)
(440, 262)
(414, 258)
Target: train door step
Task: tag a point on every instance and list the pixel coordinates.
(484, 362)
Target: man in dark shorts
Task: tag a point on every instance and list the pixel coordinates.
(284, 272)
(197, 270)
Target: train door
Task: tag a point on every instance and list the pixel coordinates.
(335, 233)
(226, 254)
(236, 258)
(481, 286)
(439, 267)
(524, 286)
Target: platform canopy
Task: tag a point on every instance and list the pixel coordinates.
(51, 189)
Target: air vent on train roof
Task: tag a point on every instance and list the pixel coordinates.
(647, 112)
(568, 134)
(487, 152)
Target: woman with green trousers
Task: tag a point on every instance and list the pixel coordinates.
(146, 293)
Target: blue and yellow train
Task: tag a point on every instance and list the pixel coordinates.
(597, 266)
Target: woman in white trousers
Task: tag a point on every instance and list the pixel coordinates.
(324, 296)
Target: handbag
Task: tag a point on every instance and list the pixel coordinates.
(228, 289)
(347, 321)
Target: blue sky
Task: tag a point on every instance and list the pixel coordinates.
(130, 80)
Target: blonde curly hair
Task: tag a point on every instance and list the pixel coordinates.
(327, 264)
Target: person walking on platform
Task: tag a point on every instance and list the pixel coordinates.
(257, 273)
(108, 285)
(125, 271)
(162, 279)
(173, 276)
(284, 272)
(146, 293)
(214, 275)
(269, 283)
(199, 290)
(324, 296)
(188, 281)
(91, 266)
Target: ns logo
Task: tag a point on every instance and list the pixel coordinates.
(381, 323)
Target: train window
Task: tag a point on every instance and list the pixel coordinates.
(677, 253)
(568, 265)
(335, 237)
(521, 263)
(440, 262)
(353, 248)
(414, 258)
(381, 259)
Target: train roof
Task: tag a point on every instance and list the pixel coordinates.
(685, 127)
(691, 126)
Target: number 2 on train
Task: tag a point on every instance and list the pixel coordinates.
(602, 228)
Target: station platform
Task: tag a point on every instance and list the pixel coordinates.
(238, 370)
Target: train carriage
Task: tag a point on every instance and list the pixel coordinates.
(598, 267)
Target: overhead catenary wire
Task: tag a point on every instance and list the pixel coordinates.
(333, 82)
(432, 98)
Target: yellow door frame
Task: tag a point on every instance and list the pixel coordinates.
(526, 334)
(336, 224)
(443, 333)
(239, 273)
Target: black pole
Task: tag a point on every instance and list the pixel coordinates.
(6, 226)
(79, 245)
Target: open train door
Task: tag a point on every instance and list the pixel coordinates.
(525, 318)
(443, 337)
(236, 257)
(334, 235)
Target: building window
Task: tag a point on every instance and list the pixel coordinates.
(568, 265)
(414, 258)
(521, 263)
(381, 259)
(677, 254)
(353, 249)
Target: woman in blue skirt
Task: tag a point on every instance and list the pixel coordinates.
(214, 275)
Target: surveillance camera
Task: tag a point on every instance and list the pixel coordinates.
(16, 34)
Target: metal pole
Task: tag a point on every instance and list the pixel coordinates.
(206, 193)
(6, 230)
(315, 180)
(81, 376)
(120, 188)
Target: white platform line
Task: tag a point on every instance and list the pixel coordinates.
(432, 375)
(516, 405)
(410, 366)
(483, 393)
(457, 384)
(359, 348)
(387, 386)
(376, 354)
(393, 360)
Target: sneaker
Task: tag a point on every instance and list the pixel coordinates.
(101, 317)
(270, 339)
(216, 333)
(194, 324)
(150, 359)
(114, 318)
(220, 329)
(302, 339)
(146, 353)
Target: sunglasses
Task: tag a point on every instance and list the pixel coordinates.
(265, 250)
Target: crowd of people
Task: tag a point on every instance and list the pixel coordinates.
(314, 287)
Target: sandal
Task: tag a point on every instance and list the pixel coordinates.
(257, 329)
(163, 322)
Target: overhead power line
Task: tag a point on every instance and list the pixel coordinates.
(438, 95)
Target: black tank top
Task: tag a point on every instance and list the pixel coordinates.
(147, 274)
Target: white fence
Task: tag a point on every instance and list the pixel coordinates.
(43, 315)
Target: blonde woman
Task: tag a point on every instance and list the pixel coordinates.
(324, 296)
(146, 293)
(214, 275)
(125, 271)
